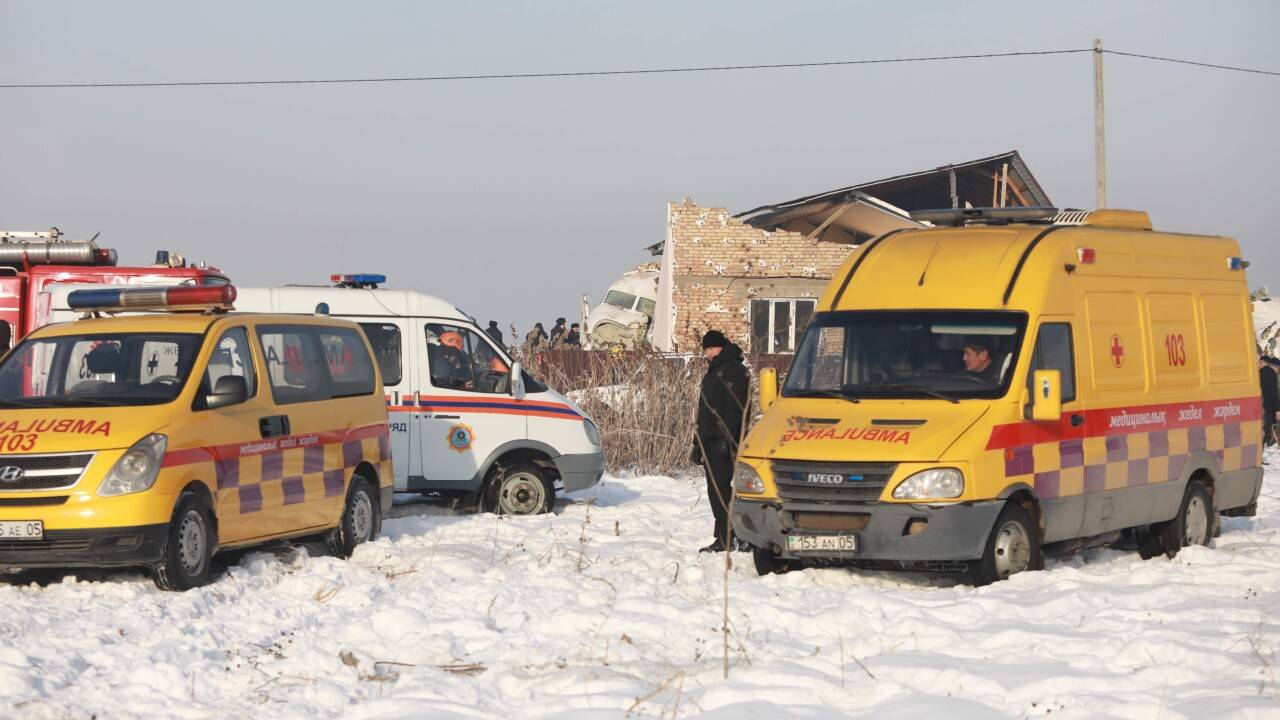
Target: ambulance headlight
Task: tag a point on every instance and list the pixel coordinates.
(938, 483)
(137, 469)
(747, 481)
(593, 432)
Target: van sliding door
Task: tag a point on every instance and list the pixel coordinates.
(393, 348)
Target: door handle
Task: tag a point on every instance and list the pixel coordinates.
(1077, 419)
(446, 417)
(273, 425)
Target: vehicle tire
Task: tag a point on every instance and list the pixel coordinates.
(1193, 525)
(1014, 547)
(360, 522)
(520, 488)
(767, 563)
(186, 558)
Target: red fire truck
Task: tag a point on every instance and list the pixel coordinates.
(30, 262)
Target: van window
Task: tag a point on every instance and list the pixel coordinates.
(1054, 351)
(385, 340)
(460, 359)
(350, 369)
(295, 368)
(98, 370)
(935, 354)
(230, 357)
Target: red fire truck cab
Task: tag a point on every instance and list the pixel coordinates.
(30, 262)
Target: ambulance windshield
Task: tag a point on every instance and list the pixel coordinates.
(940, 354)
(97, 370)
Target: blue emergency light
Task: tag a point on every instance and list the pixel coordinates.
(1235, 263)
(154, 298)
(358, 280)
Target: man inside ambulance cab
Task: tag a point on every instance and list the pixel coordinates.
(978, 362)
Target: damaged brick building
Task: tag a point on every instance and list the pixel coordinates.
(757, 275)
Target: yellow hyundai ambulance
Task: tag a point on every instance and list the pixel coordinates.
(158, 439)
(1008, 379)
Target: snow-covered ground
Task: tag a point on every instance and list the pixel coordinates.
(605, 608)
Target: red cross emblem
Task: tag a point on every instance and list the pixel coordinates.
(1117, 351)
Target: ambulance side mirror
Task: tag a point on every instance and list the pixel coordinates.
(1046, 395)
(228, 390)
(768, 387)
(517, 381)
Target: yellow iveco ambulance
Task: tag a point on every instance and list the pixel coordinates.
(158, 439)
(970, 392)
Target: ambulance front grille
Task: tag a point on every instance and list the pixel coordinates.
(25, 473)
(13, 549)
(862, 482)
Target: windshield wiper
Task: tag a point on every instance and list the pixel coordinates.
(15, 402)
(918, 388)
(74, 400)
(825, 394)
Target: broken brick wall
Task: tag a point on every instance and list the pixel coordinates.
(719, 264)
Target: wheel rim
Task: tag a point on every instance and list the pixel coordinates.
(1196, 522)
(1012, 550)
(522, 494)
(192, 542)
(361, 517)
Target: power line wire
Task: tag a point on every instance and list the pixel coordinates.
(1191, 62)
(523, 76)
(600, 73)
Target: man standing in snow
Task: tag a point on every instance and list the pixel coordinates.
(1270, 399)
(722, 402)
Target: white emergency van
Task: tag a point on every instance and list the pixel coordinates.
(465, 420)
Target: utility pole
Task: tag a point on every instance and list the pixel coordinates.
(1099, 128)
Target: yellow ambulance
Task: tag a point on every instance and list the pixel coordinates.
(1005, 380)
(158, 439)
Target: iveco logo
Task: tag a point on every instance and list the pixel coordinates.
(826, 479)
(11, 473)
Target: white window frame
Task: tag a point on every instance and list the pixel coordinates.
(769, 335)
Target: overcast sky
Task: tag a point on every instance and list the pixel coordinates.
(511, 198)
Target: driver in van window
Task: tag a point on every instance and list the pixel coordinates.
(979, 360)
(450, 364)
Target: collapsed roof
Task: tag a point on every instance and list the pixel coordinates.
(858, 212)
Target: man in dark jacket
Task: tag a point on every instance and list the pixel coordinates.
(493, 332)
(573, 338)
(557, 333)
(536, 339)
(722, 404)
(1270, 399)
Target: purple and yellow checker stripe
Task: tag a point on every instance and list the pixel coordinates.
(1117, 448)
(298, 467)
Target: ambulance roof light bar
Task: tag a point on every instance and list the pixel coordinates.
(359, 280)
(184, 297)
(957, 217)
